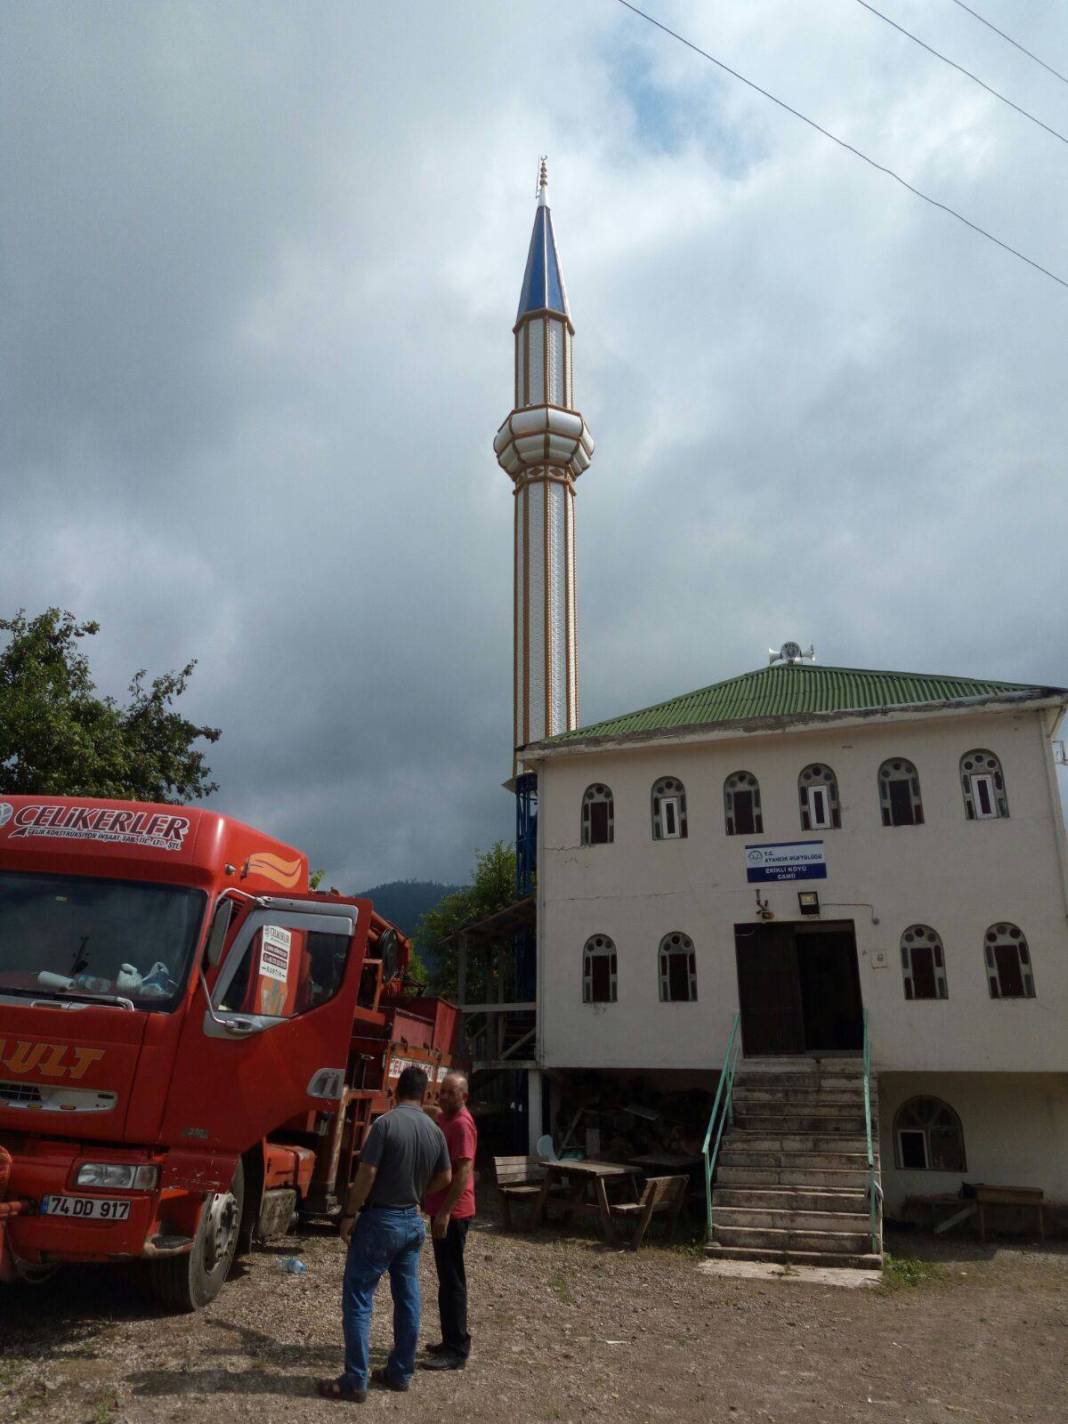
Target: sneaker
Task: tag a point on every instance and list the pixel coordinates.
(341, 1389)
(382, 1376)
(442, 1360)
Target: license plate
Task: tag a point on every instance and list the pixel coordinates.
(86, 1208)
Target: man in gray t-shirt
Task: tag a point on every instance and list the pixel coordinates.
(403, 1157)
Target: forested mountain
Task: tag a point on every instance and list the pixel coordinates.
(403, 901)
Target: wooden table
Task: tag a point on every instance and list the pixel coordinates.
(974, 1207)
(580, 1177)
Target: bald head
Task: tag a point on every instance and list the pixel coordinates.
(452, 1094)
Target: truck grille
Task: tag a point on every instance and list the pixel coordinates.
(42, 1097)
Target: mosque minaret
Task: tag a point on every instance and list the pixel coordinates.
(544, 446)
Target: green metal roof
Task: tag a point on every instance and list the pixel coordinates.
(798, 690)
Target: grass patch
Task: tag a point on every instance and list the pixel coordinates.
(907, 1272)
(105, 1410)
(558, 1284)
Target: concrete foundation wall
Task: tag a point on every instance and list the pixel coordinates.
(1015, 1132)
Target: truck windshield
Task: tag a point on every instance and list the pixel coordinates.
(74, 936)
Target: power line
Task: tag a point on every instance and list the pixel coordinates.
(976, 15)
(960, 69)
(879, 167)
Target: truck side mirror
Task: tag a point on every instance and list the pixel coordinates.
(219, 927)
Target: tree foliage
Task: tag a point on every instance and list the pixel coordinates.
(493, 888)
(59, 737)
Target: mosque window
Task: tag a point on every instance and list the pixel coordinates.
(1009, 972)
(923, 964)
(741, 801)
(817, 789)
(983, 784)
(669, 809)
(899, 793)
(599, 971)
(928, 1137)
(678, 969)
(555, 333)
(598, 816)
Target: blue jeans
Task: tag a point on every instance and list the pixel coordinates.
(384, 1239)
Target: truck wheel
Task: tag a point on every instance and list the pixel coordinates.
(187, 1282)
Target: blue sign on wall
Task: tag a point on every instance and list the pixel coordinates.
(790, 860)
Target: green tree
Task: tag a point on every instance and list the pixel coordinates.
(492, 889)
(59, 737)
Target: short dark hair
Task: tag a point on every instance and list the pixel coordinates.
(412, 1083)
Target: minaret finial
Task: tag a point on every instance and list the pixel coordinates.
(543, 179)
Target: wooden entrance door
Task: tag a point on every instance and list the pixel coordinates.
(830, 989)
(769, 993)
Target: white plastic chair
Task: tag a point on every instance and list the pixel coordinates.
(545, 1149)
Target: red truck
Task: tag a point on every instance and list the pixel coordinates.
(193, 1044)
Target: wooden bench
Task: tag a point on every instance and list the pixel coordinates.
(518, 1179)
(660, 1194)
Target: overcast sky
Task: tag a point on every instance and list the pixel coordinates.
(259, 265)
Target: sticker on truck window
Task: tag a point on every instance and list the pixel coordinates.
(274, 953)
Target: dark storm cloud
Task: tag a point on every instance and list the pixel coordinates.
(259, 270)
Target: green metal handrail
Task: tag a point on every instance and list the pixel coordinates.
(722, 1113)
(874, 1190)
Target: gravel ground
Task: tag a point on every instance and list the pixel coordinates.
(565, 1329)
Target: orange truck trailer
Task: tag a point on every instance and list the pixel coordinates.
(193, 1044)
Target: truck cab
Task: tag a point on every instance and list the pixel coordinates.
(177, 1012)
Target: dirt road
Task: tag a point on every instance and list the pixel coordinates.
(565, 1330)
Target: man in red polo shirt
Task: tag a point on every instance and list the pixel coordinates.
(450, 1212)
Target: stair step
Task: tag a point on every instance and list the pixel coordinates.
(836, 1222)
(810, 1142)
(860, 1260)
(731, 1156)
(768, 1069)
(780, 1239)
(784, 1099)
(739, 1175)
(792, 1124)
(800, 1198)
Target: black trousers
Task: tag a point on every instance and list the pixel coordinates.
(452, 1288)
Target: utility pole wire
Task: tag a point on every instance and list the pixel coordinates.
(960, 69)
(976, 15)
(879, 167)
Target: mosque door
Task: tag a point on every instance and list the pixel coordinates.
(830, 988)
(769, 993)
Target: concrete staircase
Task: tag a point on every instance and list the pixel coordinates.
(792, 1176)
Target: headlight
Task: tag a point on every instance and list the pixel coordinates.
(117, 1174)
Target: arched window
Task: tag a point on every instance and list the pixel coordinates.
(818, 790)
(669, 809)
(983, 785)
(928, 1137)
(899, 793)
(678, 969)
(923, 963)
(599, 971)
(1008, 963)
(597, 816)
(741, 803)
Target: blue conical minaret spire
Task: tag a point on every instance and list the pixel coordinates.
(543, 281)
(544, 446)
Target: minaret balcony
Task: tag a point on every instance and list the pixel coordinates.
(543, 435)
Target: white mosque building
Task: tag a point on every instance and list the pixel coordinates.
(831, 885)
